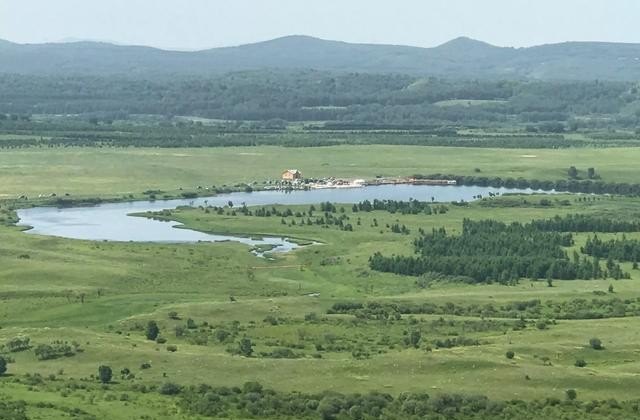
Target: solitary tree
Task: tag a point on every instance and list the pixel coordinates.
(571, 394)
(3, 365)
(572, 172)
(105, 374)
(510, 354)
(414, 338)
(152, 330)
(245, 347)
(591, 173)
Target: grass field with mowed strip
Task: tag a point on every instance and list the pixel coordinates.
(113, 171)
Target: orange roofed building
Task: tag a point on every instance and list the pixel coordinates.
(291, 175)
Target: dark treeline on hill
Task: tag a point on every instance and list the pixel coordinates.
(492, 251)
(359, 100)
(254, 401)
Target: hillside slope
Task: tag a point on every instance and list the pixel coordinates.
(459, 58)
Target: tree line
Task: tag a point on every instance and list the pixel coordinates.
(578, 308)
(585, 223)
(402, 207)
(622, 249)
(171, 135)
(561, 185)
(253, 400)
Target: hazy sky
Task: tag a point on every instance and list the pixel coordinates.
(196, 24)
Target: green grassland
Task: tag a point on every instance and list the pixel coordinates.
(102, 294)
(110, 172)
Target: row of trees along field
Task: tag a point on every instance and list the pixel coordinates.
(492, 251)
(362, 98)
(578, 308)
(254, 401)
(622, 249)
(587, 186)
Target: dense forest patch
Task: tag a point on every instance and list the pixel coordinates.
(491, 251)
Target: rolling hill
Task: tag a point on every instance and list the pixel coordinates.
(459, 58)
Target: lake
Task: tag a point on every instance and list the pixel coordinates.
(111, 221)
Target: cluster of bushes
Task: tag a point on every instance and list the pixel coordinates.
(254, 401)
(13, 410)
(403, 207)
(448, 343)
(56, 350)
(512, 201)
(195, 333)
(327, 219)
(578, 308)
(282, 353)
(53, 350)
(17, 344)
(491, 251)
(8, 216)
(398, 228)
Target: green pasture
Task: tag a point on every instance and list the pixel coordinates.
(114, 172)
(102, 295)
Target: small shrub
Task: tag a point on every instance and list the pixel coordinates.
(542, 324)
(169, 388)
(221, 335)
(510, 354)
(172, 348)
(596, 344)
(571, 394)
(311, 317)
(580, 363)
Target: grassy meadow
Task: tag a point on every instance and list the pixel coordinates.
(101, 295)
(117, 171)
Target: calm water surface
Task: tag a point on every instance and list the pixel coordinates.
(112, 222)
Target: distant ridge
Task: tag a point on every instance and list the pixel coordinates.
(459, 58)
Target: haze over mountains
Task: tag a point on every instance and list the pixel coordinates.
(460, 58)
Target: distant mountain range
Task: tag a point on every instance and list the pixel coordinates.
(460, 58)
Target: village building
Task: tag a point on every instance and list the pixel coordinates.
(291, 175)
